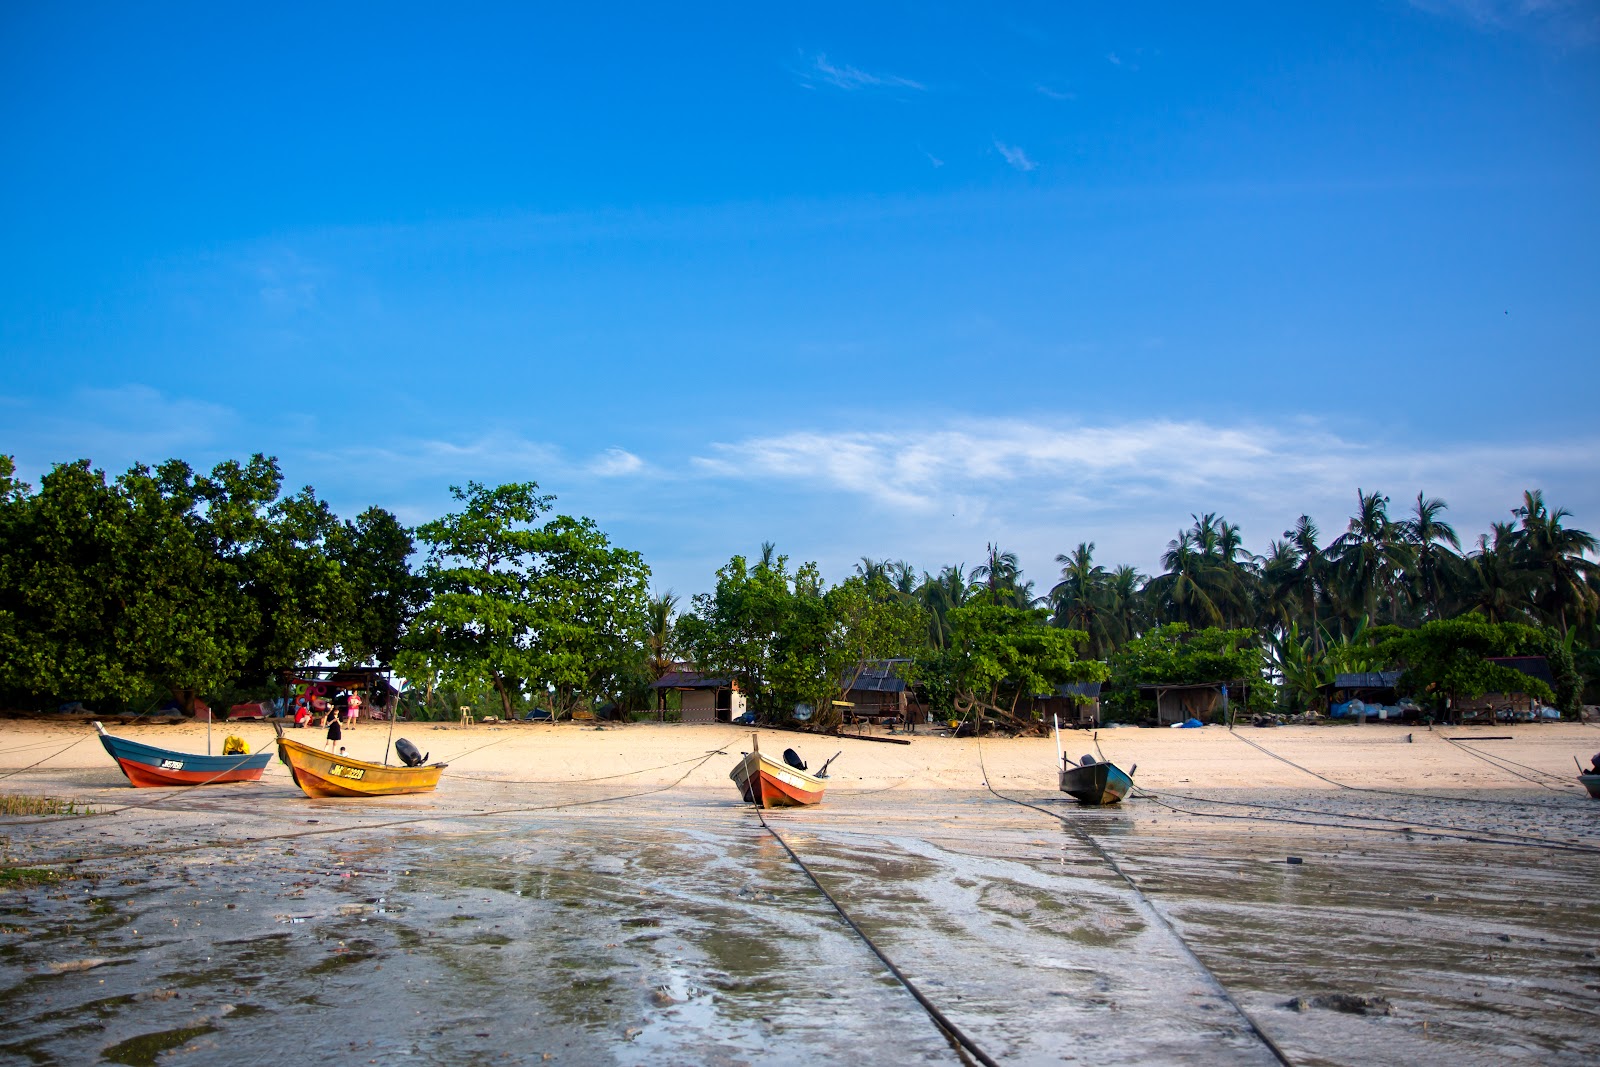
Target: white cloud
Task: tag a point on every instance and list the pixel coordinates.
(1015, 157)
(843, 76)
(614, 462)
(1054, 94)
(934, 494)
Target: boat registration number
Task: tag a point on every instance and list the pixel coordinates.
(172, 764)
(355, 774)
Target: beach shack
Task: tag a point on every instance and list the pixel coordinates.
(1074, 704)
(1509, 706)
(1366, 695)
(877, 689)
(1206, 701)
(705, 698)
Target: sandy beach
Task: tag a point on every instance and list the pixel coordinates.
(582, 895)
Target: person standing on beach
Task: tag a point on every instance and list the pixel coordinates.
(352, 709)
(335, 735)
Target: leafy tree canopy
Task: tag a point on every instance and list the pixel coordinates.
(1449, 658)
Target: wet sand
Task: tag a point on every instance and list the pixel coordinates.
(535, 910)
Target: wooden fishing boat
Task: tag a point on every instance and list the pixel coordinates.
(1095, 783)
(1591, 782)
(774, 784)
(323, 774)
(150, 767)
(1091, 781)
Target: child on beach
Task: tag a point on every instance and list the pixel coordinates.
(335, 735)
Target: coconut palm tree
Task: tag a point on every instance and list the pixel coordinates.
(1082, 600)
(1556, 554)
(1000, 577)
(660, 640)
(1493, 584)
(1433, 565)
(1370, 557)
(939, 594)
(1126, 589)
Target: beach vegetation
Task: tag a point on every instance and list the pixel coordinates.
(524, 606)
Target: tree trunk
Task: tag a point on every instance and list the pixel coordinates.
(505, 698)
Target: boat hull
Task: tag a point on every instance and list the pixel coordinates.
(150, 767)
(1096, 784)
(322, 774)
(1591, 782)
(772, 784)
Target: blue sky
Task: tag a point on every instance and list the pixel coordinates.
(895, 283)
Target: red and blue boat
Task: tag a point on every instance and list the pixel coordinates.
(150, 767)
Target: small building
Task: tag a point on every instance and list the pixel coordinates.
(1074, 704)
(878, 689)
(1180, 701)
(1507, 706)
(706, 698)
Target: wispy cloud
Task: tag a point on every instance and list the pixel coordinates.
(1054, 94)
(843, 76)
(1015, 157)
(615, 462)
(1130, 484)
(1570, 23)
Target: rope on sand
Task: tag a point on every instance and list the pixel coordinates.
(950, 1030)
(1150, 908)
(200, 846)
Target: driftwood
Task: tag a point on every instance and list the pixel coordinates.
(1004, 718)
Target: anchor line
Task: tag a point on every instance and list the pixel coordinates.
(1151, 909)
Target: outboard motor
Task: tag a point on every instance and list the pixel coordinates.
(408, 753)
(792, 758)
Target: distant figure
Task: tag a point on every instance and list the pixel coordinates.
(1594, 764)
(352, 709)
(302, 713)
(335, 735)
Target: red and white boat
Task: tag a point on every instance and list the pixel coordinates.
(777, 784)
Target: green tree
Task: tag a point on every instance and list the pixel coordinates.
(1173, 653)
(1447, 660)
(373, 554)
(1000, 656)
(521, 607)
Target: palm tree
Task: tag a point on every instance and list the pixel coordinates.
(1370, 556)
(938, 595)
(660, 641)
(1493, 585)
(1082, 599)
(1556, 554)
(1205, 584)
(1126, 588)
(1433, 565)
(1000, 573)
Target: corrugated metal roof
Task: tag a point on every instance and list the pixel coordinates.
(878, 677)
(1367, 680)
(1079, 689)
(688, 680)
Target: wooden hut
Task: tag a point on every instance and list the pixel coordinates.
(877, 689)
(705, 698)
(1207, 701)
(1074, 704)
(1507, 706)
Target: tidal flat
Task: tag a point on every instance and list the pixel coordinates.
(653, 919)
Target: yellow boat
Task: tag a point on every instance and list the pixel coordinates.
(322, 774)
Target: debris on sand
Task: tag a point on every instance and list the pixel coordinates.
(1349, 1003)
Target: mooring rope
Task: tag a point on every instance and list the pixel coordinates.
(1150, 908)
(951, 1031)
(200, 846)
